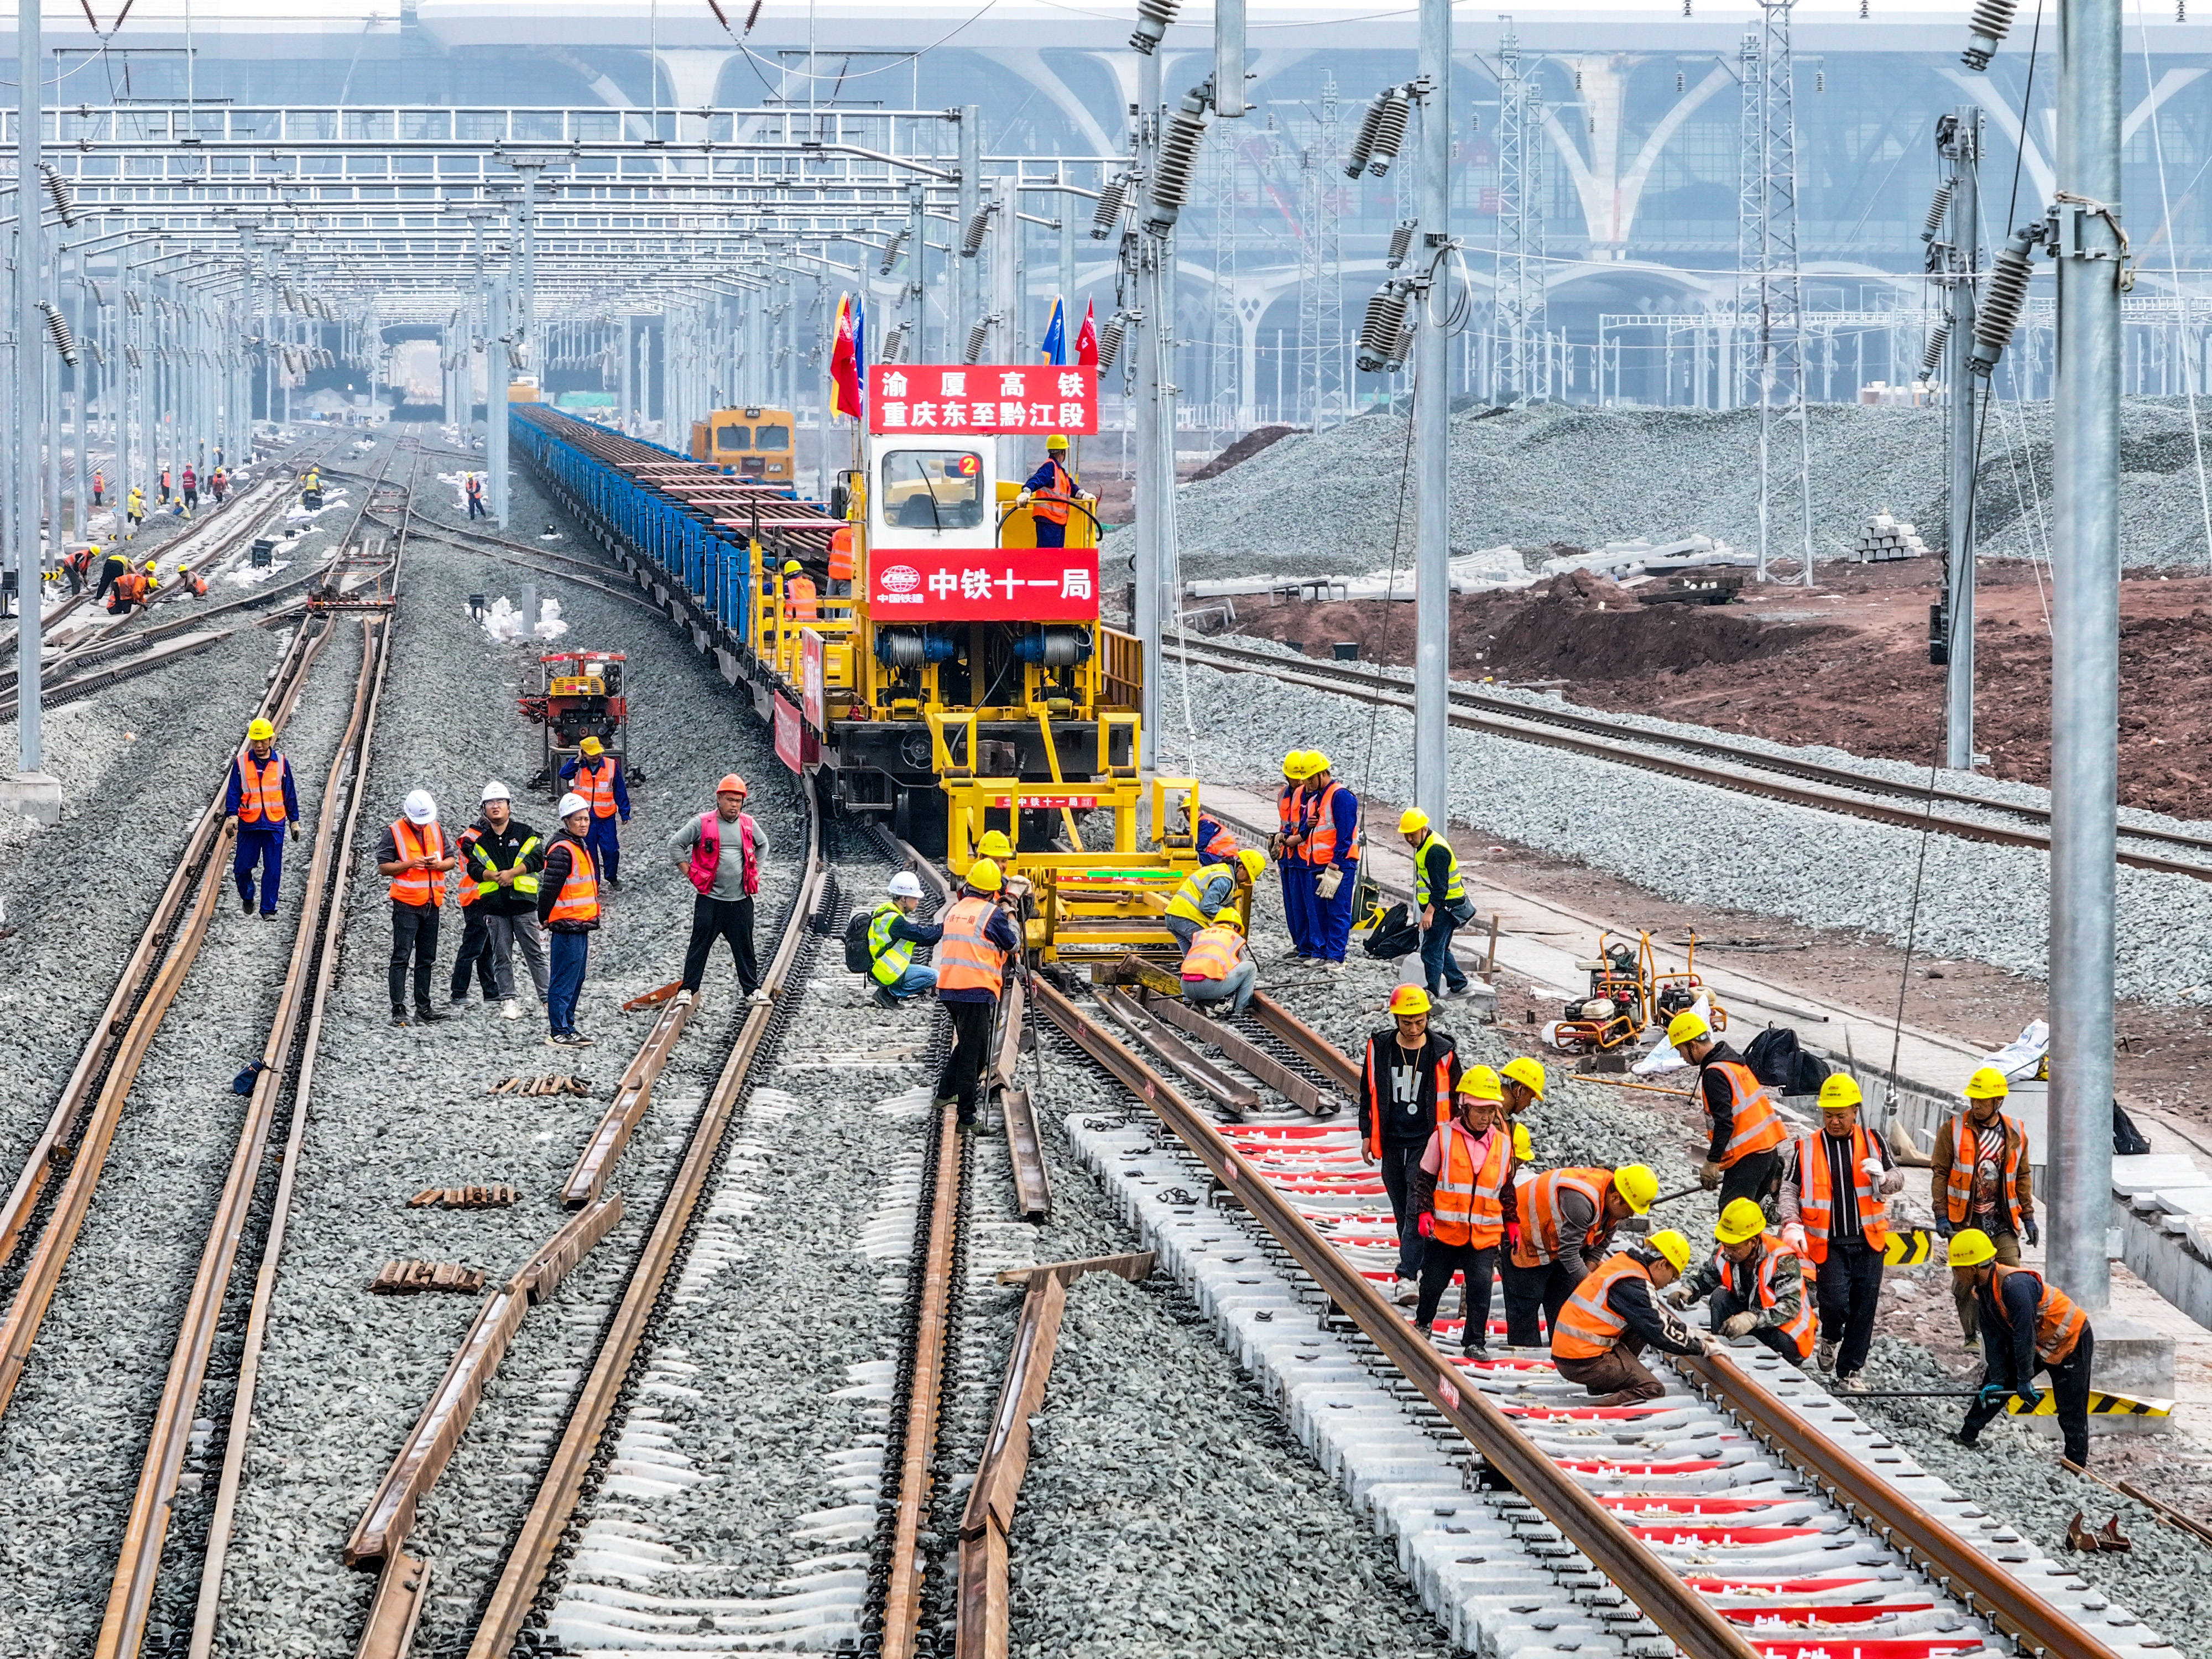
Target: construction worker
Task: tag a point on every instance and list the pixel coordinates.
(1981, 1179)
(504, 858)
(972, 952)
(1744, 1151)
(129, 589)
(1047, 493)
(1458, 1200)
(2032, 1326)
(1217, 968)
(413, 854)
(311, 490)
(1208, 890)
(262, 805)
(218, 485)
(474, 489)
(1405, 1084)
(192, 483)
(111, 569)
(1520, 1085)
(1215, 841)
(1842, 1237)
(1286, 848)
(798, 592)
(1614, 1313)
(195, 584)
(1559, 1224)
(78, 568)
(1440, 896)
(721, 852)
(568, 910)
(993, 844)
(598, 777)
(165, 486)
(1757, 1287)
(476, 940)
(1331, 845)
(892, 934)
(99, 487)
(134, 510)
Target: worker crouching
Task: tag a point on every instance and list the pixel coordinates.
(1218, 972)
(2029, 1326)
(892, 934)
(1755, 1283)
(1615, 1314)
(1459, 1192)
(1559, 1224)
(568, 910)
(978, 940)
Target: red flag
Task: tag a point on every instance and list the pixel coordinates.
(844, 364)
(1086, 342)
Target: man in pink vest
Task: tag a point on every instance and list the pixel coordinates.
(721, 852)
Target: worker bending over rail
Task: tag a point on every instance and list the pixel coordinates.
(413, 854)
(568, 909)
(504, 859)
(262, 805)
(1982, 1180)
(1747, 1132)
(1440, 897)
(1207, 891)
(727, 886)
(598, 777)
(1406, 1084)
(1330, 843)
(892, 934)
(1841, 1235)
(1217, 968)
(2031, 1327)
(977, 942)
(1756, 1286)
(1559, 1224)
(1459, 1196)
(1615, 1314)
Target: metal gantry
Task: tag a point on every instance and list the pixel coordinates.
(1771, 297)
(1520, 270)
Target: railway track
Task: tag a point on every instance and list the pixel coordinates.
(1740, 768)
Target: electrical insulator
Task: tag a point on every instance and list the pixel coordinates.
(891, 254)
(1108, 214)
(98, 356)
(1153, 17)
(978, 336)
(135, 306)
(64, 198)
(1578, 78)
(57, 329)
(2002, 300)
(1110, 341)
(892, 341)
(1864, 12)
(1593, 124)
(1363, 141)
(1819, 80)
(1933, 225)
(1382, 130)
(1685, 7)
(1932, 358)
(1986, 30)
(1678, 80)
(1181, 134)
(971, 240)
(1401, 241)
(1382, 329)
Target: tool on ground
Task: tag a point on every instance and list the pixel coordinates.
(552, 1082)
(2160, 1509)
(497, 1196)
(652, 999)
(2108, 1539)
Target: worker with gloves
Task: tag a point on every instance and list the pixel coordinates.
(978, 939)
(568, 910)
(1217, 968)
(1558, 1226)
(1615, 1314)
(1287, 849)
(502, 859)
(1841, 1235)
(413, 854)
(1331, 847)
(1458, 1199)
(1215, 841)
(1744, 1153)
(1047, 493)
(1757, 1287)
(1981, 1179)
(1440, 897)
(1406, 1084)
(892, 934)
(2032, 1326)
(1520, 1085)
(1208, 890)
(598, 777)
(262, 805)
(721, 852)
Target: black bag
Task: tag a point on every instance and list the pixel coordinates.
(859, 958)
(1396, 935)
(2127, 1140)
(1776, 1060)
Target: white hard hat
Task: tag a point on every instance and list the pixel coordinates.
(419, 807)
(904, 886)
(496, 791)
(570, 803)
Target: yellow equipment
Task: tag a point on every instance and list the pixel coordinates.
(754, 443)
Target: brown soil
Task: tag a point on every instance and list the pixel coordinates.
(1243, 449)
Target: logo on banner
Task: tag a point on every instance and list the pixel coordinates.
(900, 578)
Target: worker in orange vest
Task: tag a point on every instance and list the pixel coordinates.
(798, 592)
(1982, 1179)
(1615, 1314)
(195, 584)
(1756, 1284)
(476, 497)
(413, 853)
(1048, 492)
(1744, 1157)
(1286, 847)
(99, 487)
(1217, 968)
(568, 909)
(128, 590)
(261, 804)
(1331, 845)
(1833, 1185)
(1558, 1225)
(1458, 1199)
(978, 941)
(2032, 1326)
(598, 777)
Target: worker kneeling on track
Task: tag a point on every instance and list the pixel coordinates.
(1833, 1214)
(979, 938)
(1755, 1283)
(1615, 1314)
(1405, 1085)
(1207, 891)
(1459, 1192)
(892, 934)
(1744, 1154)
(1559, 1224)
(2027, 1326)
(1217, 968)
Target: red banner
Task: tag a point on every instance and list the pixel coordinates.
(795, 746)
(983, 584)
(982, 398)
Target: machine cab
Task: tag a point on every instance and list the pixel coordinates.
(928, 491)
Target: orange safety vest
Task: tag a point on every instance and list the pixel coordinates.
(261, 789)
(1537, 1204)
(1213, 954)
(196, 584)
(418, 887)
(799, 598)
(1772, 1250)
(966, 959)
(1050, 503)
(1588, 1326)
(1320, 838)
(1815, 1194)
(1469, 1206)
(1289, 813)
(597, 786)
(469, 837)
(2058, 1321)
(1374, 1072)
(841, 554)
(1958, 1193)
(1758, 1127)
(579, 898)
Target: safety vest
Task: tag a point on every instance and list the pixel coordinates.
(1373, 1071)
(1214, 839)
(1771, 1252)
(418, 887)
(525, 882)
(476, 485)
(261, 788)
(966, 959)
(1758, 1127)
(799, 598)
(129, 588)
(841, 554)
(889, 956)
(1050, 503)
(1320, 838)
(2058, 1321)
(1588, 1326)
(196, 584)
(1958, 1193)
(1543, 1222)
(597, 784)
(1185, 904)
(466, 846)
(1469, 1207)
(1290, 814)
(579, 897)
(1816, 1192)
(1454, 889)
(1214, 954)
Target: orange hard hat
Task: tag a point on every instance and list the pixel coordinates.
(731, 784)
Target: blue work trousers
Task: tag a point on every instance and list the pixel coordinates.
(1330, 919)
(606, 851)
(919, 976)
(265, 848)
(1436, 954)
(1297, 903)
(569, 951)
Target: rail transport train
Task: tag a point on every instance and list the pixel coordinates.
(753, 443)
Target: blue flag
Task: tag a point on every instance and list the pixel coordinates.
(1055, 335)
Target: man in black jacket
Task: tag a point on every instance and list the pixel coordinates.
(504, 857)
(1406, 1089)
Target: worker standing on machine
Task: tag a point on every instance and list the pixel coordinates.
(1459, 1191)
(1834, 1183)
(568, 910)
(1744, 1151)
(1440, 897)
(1981, 1179)
(2032, 1326)
(1217, 968)
(727, 886)
(1405, 1084)
(1614, 1314)
(1757, 1287)
(798, 592)
(413, 854)
(1559, 1224)
(1208, 890)
(1332, 854)
(1287, 848)
(972, 952)
(1047, 493)
(598, 777)
(260, 801)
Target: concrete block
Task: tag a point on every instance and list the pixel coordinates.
(34, 795)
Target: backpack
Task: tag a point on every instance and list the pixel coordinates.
(2127, 1140)
(1776, 1060)
(1398, 934)
(858, 958)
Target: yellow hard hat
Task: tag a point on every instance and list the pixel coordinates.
(151, 563)
(92, 548)
(993, 844)
(1741, 1219)
(1481, 1082)
(1685, 1027)
(1409, 1000)
(184, 570)
(1988, 1084)
(1228, 918)
(791, 567)
(1316, 761)
(1413, 821)
(592, 746)
(1637, 1185)
(1294, 764)
(983, 875)
(1839, 1093)
(259, 731)
(1673, 1247)
(1971, 1247)
(1058, 440)
(1528, 1073)
(1253, 860)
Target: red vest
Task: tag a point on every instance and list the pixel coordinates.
(707, 855)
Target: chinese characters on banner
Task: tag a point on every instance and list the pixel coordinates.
(974, 398)
(983, 584)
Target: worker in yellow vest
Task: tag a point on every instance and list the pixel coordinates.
(1757, 1287)
(1615, 1314)
(1208, 890)
(1440, 897)
(2032, 1326)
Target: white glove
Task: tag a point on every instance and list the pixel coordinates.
(1874, 1167)
(1738, 1324)
(1022, 500)
(1675, 1296)
(1794, 1237)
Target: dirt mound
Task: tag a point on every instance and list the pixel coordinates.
(1585, 627)
(1243, 449)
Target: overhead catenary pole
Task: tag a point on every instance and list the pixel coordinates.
(1144, 327)
(1431, 417)
(496, 384)
(1963, 262)
(33, 791)
(2085, 701)
(965, 284)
